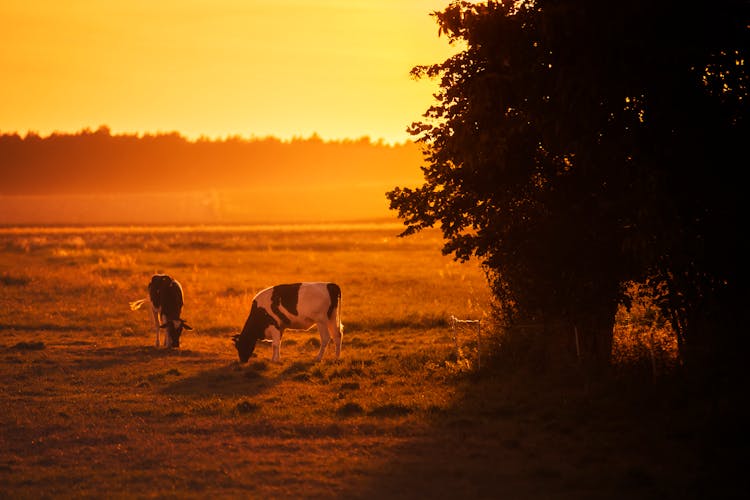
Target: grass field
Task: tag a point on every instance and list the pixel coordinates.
(90, 408)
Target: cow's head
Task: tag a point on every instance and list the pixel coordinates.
(174, 330)
(245, 346)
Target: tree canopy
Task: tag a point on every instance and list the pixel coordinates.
(577, 144)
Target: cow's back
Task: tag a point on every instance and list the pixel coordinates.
(306, 302)
(157, 288)
(166, 294)
(316, 300)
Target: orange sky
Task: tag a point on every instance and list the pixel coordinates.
(338, 68)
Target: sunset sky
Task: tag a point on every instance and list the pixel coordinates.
(215, 68)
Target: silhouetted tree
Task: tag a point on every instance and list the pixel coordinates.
(577, 144)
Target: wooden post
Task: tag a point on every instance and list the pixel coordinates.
(479, 345)
(478, 322)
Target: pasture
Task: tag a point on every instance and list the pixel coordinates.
(90, 408)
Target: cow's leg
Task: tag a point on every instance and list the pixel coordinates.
(155, 313)
(325, 337)
(338, 337)
(167, 336)
(276, 345)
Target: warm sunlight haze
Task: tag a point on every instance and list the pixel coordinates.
(373, 249)
(283, 68)
(227, 111)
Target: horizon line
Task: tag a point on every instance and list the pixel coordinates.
(313, 137)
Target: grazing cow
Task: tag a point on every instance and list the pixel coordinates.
(297, 306)
(165, 297)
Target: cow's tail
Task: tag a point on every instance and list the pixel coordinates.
(135, 305)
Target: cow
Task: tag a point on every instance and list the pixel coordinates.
(296, 306)
(165, 297)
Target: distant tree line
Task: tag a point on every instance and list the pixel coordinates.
(96, 161)
(576, 145)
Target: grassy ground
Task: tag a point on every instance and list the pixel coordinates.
(90, 408)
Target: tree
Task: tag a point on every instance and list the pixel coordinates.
(579, 144)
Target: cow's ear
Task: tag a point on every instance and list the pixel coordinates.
(186, 326)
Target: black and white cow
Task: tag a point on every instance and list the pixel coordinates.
(296, 306)
(165, 297)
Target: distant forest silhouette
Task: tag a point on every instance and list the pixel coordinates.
(99, 162)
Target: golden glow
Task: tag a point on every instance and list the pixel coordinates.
(287, 68)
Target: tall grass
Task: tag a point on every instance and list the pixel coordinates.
(386, 281)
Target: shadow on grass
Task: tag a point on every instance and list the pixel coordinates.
(228, 380)
(510, 438)
(93, 358)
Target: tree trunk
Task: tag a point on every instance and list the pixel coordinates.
(595, 332)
